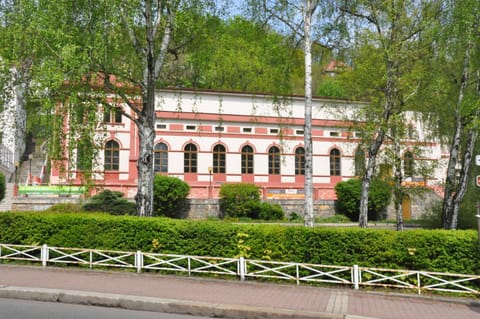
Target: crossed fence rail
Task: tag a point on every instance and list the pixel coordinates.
(243, 268)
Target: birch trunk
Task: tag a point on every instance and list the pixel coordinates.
(308, 208)
(450, 179)
(463, 182)
(398, 190)
(154, 57)
(367, 178)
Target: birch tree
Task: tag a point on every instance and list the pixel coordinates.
(392, 27)
(300, 17)
(122, 46)
(458, 61)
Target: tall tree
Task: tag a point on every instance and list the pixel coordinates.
(17, 52)
(458, 59)
(392, 28)
(300, 18)
(121, 47)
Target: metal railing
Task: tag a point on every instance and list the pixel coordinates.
(243, 268)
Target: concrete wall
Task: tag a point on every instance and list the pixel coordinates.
(205, 208)
(40, 203)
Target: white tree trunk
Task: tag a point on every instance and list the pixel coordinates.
(451, 186)
(308, 208)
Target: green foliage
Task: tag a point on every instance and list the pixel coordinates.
(430, 250)
(236, 199)
(331, 87)
(239, 55)
(169, 196)
(65, 208)
(264, 210)
(110, 202)
(240, 200)
(349, 195)
(2, 186)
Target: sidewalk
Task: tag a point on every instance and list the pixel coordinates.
(221, 298)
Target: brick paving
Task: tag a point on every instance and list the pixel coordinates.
(342, 302)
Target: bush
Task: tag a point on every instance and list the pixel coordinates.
(169, 196)
(2, 186)
(110, 202)
(240, 200)
(270, 211)
(429, 250)
(349, 195)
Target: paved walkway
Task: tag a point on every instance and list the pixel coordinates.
(221, 298)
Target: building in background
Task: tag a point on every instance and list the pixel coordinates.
(208, 138)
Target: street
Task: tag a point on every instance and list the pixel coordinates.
(26, 309)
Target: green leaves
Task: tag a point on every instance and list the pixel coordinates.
(430, 250)
(169, 195)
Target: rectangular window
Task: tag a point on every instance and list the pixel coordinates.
(274, 131)
(335, 134)
(247, 130)
(219, 129)
(112, 115)
(190, 127)
(299, 132)
(161, 126)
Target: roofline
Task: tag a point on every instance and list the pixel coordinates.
(260, 94)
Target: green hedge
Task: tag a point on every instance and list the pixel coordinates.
(430, 250)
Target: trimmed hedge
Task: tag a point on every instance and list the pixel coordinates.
(430, 250)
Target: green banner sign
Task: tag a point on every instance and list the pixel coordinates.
(51, 190)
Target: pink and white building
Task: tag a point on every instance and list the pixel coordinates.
(208, 138)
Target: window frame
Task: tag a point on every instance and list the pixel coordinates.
(274, 160)
(112, 156)
(247, 159)
(300, 161)
(335, 162)
(219, 162)
(160, 158)
(190, 158)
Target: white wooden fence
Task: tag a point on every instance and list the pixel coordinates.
(243, 268)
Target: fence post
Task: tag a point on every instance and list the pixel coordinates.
(241, 268)
(139, 261)
(44, 255)
(356, 277)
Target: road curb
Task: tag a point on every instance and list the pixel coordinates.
(161, 305)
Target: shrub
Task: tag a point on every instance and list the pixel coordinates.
(2, 186)
(110, 202)
(349, 195)
(270, 211)
(169, 196)
(429, 250)
(239, 200)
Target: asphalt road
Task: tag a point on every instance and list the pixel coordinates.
(26, 309)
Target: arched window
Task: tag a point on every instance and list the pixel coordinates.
(190, 158)
(247, 160)
(160, 158)
(274, 160)
(408, 164)
(335, 159)
(359, 162)
(112, 156)
(300, 161)
(219, 162)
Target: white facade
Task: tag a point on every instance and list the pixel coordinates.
(233, 120)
